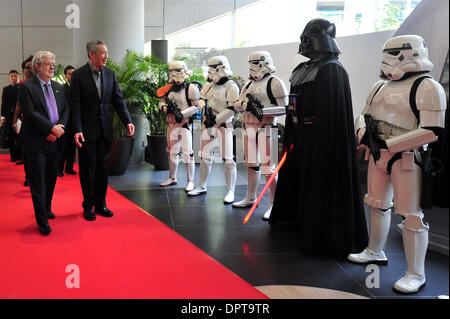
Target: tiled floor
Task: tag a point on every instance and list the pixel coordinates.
(256, 252)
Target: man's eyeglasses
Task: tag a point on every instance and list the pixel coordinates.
(48, 64)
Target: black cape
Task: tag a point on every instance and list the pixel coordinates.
(318, 190)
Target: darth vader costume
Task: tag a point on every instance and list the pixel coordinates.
(318, 191)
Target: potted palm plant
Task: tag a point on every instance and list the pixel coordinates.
(155, 152)
(132, 74)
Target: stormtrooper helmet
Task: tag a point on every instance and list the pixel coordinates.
(178, 72)
(218, 68)
(404, 54)
(318, 36)
(260, 64)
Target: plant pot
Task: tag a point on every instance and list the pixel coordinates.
(120, 155)
(156, 152)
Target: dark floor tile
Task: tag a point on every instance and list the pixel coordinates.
(215, 215)
(290, 269)
(436, 267)
(147, 199)
(213, 198)
(239, 239)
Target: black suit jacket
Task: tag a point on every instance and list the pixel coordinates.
(37, 125)
(90, 114)
(9, 100)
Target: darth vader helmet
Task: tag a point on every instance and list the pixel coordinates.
(318, 36)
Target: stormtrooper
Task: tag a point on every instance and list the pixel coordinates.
(217, 100)
(404, 113)
(179, 101)
(264, 98)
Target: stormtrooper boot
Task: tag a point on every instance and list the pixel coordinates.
(230, 178)
(173, 168)
(205, 170)
(271, 191)
(380, 222)
(190, 168)
(252, 188)
(415, 242)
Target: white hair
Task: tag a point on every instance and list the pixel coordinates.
(39, 56)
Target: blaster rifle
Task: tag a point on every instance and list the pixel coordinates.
(371, 138)
(172, 108)
(210, 118)
(255, 107)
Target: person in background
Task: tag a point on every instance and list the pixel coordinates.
(28, 73)
(68, 158)
(9, 101)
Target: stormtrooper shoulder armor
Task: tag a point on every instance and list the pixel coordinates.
(375, 88)
(279, 91)
(193, 93)
(232, 94)
(278, 88)
(205, 90)
(360, 122)
(431, 102)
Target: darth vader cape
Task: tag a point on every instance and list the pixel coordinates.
(318, 190)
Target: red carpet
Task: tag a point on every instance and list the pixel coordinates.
(131, 255)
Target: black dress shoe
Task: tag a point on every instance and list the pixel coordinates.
(105, 212)
(89, 215)
(19, 162)
(26, 183)
(45, 230)
(50, 215)
(71, 172)
(60, 174)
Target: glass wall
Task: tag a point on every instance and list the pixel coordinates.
(267, 22)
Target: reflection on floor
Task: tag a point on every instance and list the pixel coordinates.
(301, 292)
(259, 254)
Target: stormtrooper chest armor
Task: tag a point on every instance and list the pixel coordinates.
(259, 90)
(391, 104)
(179, 98)
(217, 97)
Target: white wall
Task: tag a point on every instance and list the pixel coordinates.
(163, 17)
(361, 57)
(430, 20)
(27, 26)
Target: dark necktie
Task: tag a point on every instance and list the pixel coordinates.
(99, 82)
(51, 104)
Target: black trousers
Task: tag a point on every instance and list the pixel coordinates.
(13, 150)
(68, 156)
(42, 173)
(93, 158)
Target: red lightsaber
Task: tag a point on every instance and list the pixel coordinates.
(283, 159)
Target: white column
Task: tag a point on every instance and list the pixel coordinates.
(119, 23)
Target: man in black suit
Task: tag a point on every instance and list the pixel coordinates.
(68, 157)
(46, 113)
(9, 101)
(94, 88)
